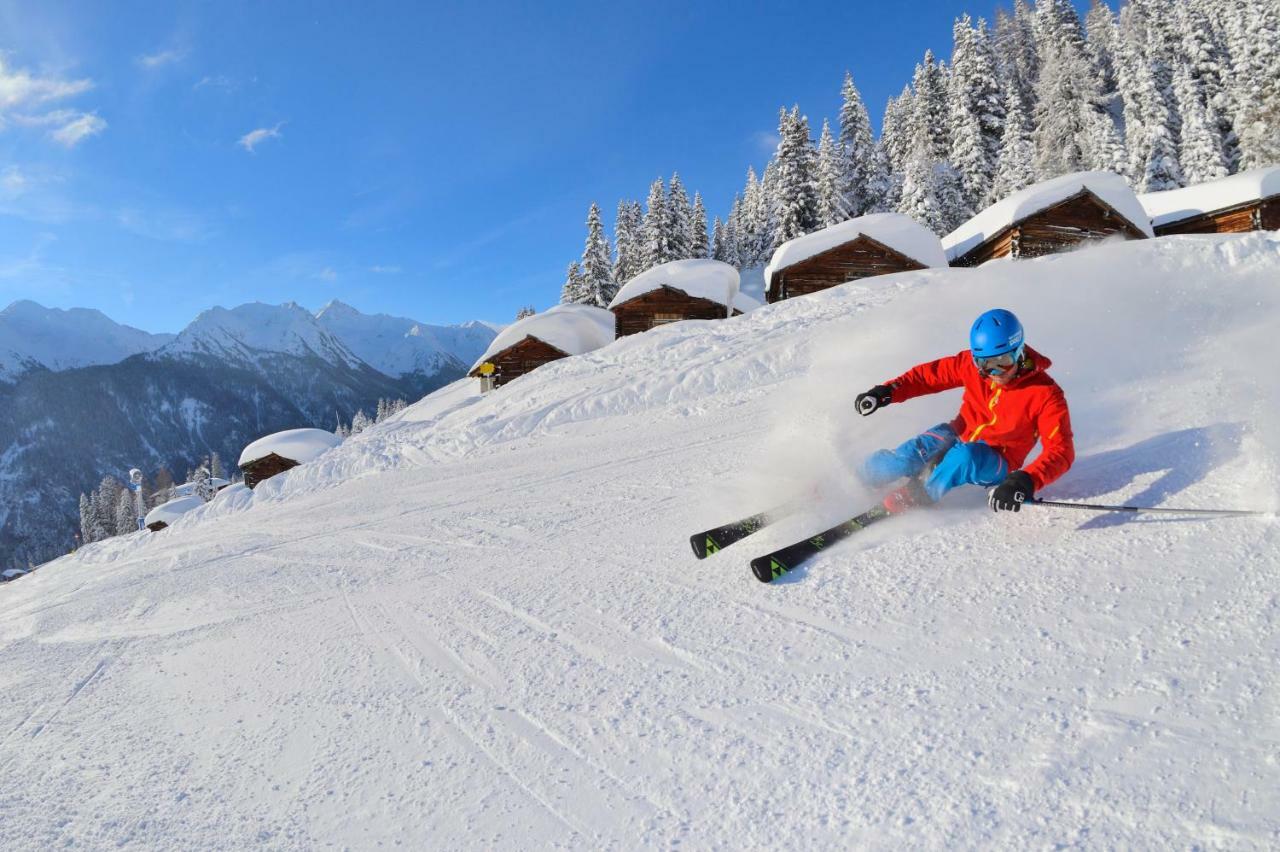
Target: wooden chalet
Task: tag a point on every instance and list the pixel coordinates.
(1039, 221)
(264, 468)
(879, 244)
(524, 356)
(692, 289)
(527, 344)
(1248, 201)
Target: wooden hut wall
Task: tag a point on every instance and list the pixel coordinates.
(641, 313)
(1079, 219)
(265, 468)
(1256, 215)
(863, 257)
(523, 357)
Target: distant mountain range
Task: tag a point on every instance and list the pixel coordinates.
(82, 396)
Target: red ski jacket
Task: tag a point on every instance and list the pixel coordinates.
(1010, 419)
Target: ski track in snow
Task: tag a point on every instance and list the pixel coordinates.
(480, 625)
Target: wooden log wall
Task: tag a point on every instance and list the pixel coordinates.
(1079, 219)
(639, 314)
(1254, 216)
(265, 468)
(523, 357)
(859, 258)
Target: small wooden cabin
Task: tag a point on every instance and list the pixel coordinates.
(264, 468)
(691, 289)
(528, 343)
(1248, 201)
(878, 244)
(524, 356)
(1050, 217)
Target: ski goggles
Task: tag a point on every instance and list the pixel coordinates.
(998, 365)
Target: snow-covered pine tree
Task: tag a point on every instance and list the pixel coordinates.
(86, 518)
(895, 133)
(830, 180)
(718, 248)
(755, 238)
(1073, 129)
(1151, 128)
(359, 422)
(976, 112)
(929, 108)
(883, 188)
(698, 246)
(655, 242)
(1253, 32)
(627, 241)
(597, 270)
(1202, 41)
(1200, 148)
(216, 468)
(380, 413)
(203, 485)
(126, 520)
(526, 311)
(796, 192)
(1015, 167)
(104, 509)
(1015, 50)
(931, 189)
(679, 220)
(573, 292)
(863, 170)
(1100, 43)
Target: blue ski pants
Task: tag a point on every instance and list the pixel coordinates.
(961, 463)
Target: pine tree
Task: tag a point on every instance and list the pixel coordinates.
(795, 191)
(1016, 163)
(526, 311)
(929, 109)
(574, 292)
(679, 220)
(863, 166)
(203, 485)
(597, 271)
(755, 235)
(86, 519)
(1255, 54)
(1204, 45)
(976, 111)
(627, 242)
(216, 469)
(830, 180)
(126, 520)
(655, 241)
(895, 133)
(1151, 127)
(1200, 148)
(698, 242)
(359, 422)
(1015, 50)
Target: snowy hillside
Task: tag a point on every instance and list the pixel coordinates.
(479, 624)
(33, 336)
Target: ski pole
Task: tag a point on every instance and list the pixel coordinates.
(1095, 507)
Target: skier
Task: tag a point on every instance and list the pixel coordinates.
(1009, 402)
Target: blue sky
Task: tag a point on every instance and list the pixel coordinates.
(431, 160)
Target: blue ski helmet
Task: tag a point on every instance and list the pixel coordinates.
(994, 333)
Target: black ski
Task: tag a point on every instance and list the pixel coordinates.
(771, 566)
(718, 538)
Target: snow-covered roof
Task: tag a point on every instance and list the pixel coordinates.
(900, 233)
(701, 278)
(12, 573)
(746, 304)
(1173, 205)
(187, 488)
(573, 329)
(169, 512)
(300, 445)
(1108, 186)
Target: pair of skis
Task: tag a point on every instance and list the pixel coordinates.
(773, 565)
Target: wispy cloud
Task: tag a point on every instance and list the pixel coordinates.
(215, 81)
(379, 269)
(79, 129)
(161, 58)
(327, 274)
(25, 99)
(251, 140)
(169, 225)
(766, 141)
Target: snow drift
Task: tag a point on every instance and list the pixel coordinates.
(478, 623)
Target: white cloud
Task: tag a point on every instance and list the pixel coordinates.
(215, 81)
(162, 57)
(766, 141)
(379, 269)
(78, 129)
(253, 138)
(19, 89)
(24, 98)
(13, 182)
(327, 274)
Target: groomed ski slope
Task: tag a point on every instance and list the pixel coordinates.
(480, 625)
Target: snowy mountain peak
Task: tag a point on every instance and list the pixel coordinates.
(250, 331)
(397, 345)
(35, 337)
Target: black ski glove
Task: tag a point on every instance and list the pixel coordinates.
(878, 397)
(1009, 495)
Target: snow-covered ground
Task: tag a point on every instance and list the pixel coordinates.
(479, 625)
